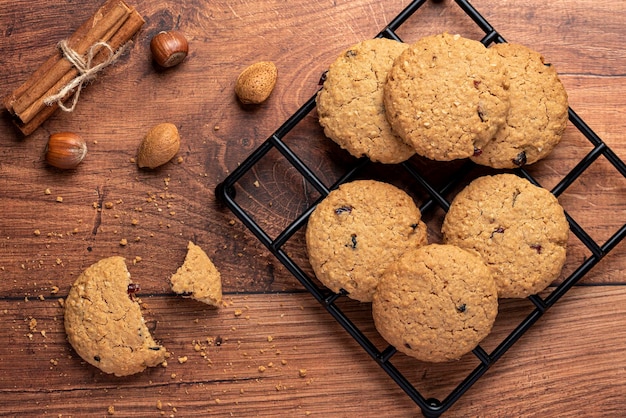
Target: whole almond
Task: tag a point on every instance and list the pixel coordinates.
(255, 83)
(160, 145)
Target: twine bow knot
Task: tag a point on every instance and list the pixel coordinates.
(86, 71)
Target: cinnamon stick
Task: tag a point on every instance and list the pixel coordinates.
(52, 60)
(115, 23)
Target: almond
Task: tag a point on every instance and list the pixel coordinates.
(160, 145)
(255, 83)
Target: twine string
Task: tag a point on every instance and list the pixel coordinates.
(86, 71)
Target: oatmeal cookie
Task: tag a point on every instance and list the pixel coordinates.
(436, 303)
(350, 104)
(446, 96)
(198, 277)
(538, 113)
(357, 231)
(518, 228)
(104, 323)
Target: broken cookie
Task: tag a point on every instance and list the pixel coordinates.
(198, 277)
(104, 324)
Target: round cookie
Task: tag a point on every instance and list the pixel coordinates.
(350, 104)
(104, 324)
(446, 96)
(518, 228)
(357, 231)
(436, 303)
(538, 113)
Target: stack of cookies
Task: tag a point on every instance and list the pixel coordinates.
(443, 97)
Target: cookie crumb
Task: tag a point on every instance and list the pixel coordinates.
(59, 199)
(111, 410)
(32, 324)
(47, 192)
(182, 359)
(302, 372)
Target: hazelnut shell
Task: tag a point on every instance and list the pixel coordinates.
(169, 48)
(65, 150)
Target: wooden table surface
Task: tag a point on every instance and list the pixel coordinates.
(273, 350)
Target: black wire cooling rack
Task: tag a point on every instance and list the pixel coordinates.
(435, 198)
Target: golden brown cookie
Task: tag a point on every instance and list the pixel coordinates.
(104, 324)
(198, 277)
(350, 104)
(357, 231)
(537, 116)
(446, 96)
(518, 228)
(436, 303)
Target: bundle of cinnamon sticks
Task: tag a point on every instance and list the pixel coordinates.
(114, 24)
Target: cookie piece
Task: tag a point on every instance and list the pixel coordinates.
(436, 303)
(198, 277)
(446, 96)
(357, 231)
(350, 104)
(104, 323)
(518, 228)
(538, 113)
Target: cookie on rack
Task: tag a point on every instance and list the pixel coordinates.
(104, 324)
(447, 96)
(538, 113)
(357, 231)
(518, 228)
(198, 277)
(350, 103)
(436, 303)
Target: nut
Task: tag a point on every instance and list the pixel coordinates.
(169, 48)
(65, 150)
(255, 83)
(160, 145)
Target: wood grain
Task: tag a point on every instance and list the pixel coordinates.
(571, 362)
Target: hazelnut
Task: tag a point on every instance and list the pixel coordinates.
(160, 145)
(65, 150)
(169, 48)
(255, 84)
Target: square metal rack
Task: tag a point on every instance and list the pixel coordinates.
(430, 407)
